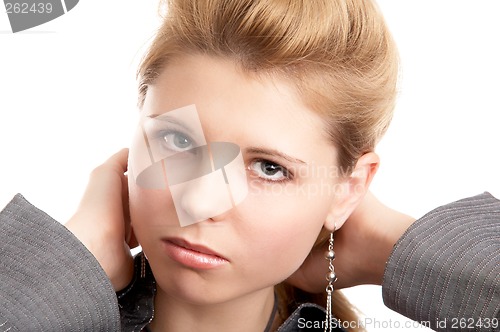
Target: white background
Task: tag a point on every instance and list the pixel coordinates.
(68, 94)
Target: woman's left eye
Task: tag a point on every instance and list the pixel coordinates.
(177, 141)
(269, 170)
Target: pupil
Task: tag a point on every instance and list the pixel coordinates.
(270, 169)
(181, 141)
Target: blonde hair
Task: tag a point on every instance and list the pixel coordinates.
(338, 54)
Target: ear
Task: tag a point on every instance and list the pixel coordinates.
(349, 192)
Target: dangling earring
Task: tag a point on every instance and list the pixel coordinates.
(331, 278)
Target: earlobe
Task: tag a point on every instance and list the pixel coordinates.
(350, 192)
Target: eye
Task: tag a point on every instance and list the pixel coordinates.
(177, 141)
(269, 171)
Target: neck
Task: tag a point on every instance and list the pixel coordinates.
(249, 313)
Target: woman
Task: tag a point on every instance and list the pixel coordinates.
(292, 118)
(305, 90)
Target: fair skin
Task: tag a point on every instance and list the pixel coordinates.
(278, 220)
(276, 217)
(363, 246)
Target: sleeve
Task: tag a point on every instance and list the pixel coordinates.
(445, 270)
(49, 280)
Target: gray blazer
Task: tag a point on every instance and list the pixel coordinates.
(445, 269)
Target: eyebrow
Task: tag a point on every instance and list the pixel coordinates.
(274, 153)
(169, 119)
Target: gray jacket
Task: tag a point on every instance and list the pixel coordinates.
(445, 269)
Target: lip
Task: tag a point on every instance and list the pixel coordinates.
(193, 255)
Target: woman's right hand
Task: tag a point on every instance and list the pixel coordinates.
(102, 221)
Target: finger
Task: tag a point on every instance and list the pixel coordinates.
(104, 192)
(119, 160)
(110, 171)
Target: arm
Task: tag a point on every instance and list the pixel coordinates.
(56, 278)
(49, 280)
(446, 267)
(362, 247)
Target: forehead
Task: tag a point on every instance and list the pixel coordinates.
(212, 82)
(237, 107)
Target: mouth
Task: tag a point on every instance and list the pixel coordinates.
(193, 255)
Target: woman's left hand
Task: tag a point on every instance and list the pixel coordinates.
(362, 247)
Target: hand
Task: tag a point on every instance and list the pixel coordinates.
(362, 247)
(102, 221)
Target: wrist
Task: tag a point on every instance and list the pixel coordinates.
(394, 224)
(385, 228)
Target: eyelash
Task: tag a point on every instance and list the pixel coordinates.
(163, 133)
(287, 175)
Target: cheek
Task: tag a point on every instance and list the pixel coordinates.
(289, 227)
(150, 210)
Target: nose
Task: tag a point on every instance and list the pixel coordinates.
(202, 198)
(209, 193)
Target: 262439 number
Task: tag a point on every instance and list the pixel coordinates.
(25, 8)
(471, 323)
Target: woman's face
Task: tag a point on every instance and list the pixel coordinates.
(290, 172)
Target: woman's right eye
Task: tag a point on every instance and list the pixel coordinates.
(176, 141)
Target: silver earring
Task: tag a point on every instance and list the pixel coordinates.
(331, 278)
